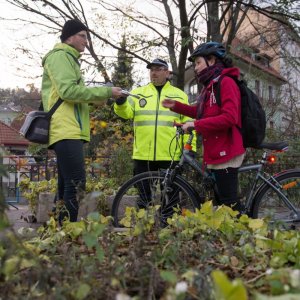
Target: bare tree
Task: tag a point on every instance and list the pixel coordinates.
(171, 30)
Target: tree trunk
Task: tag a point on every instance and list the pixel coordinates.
(213, 26)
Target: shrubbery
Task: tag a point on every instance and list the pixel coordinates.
(209, 254)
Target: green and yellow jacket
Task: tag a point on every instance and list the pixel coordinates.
(153, 124)
(62, 79)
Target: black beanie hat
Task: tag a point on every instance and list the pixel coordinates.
(70, 28)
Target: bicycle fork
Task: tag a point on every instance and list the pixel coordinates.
(167, 188)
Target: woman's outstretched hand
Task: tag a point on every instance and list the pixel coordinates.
(168, 103)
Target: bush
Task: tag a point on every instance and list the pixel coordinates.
(121, 165)
(209, 254)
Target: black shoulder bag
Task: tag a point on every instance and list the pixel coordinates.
(37, 124)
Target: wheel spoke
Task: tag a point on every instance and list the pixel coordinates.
(149, 191)
(271, 204)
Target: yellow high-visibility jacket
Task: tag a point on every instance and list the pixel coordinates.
(153, 124)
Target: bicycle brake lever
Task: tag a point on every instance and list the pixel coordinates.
(190, 129)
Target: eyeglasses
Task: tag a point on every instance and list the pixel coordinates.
(158, 69)
(83, 36)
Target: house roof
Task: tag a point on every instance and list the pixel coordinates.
(248, 60)
(244, 58)
(18, 122)
(5, 108)
(261, 67)
(11, 137)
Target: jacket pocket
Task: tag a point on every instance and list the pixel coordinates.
(217, 146)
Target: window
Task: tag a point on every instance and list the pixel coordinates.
(193, 91)
(262, 41)
(271, 93)
(261, 59)
(257, 88)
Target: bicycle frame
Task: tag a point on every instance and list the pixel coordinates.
(259, 182)
(275, 195)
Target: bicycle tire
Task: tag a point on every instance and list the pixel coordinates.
(186, 197)
(268, 203)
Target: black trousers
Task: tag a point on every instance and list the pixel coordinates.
(71, 175)
(140, 166)
(144, 188)
(227, 185)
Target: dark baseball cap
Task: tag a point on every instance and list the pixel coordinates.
(158, 62)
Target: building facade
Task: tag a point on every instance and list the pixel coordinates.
(267, 53)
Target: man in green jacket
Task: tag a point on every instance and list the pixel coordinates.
(70, 124)
(153, 124)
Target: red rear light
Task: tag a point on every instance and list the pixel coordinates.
(271, 159)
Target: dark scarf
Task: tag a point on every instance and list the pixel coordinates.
(205, 77)
(209, 73)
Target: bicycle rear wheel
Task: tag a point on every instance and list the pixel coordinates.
(269, 203)
(146, 190)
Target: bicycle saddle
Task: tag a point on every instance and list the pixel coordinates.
(279, 146)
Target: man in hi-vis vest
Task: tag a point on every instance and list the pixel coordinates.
(153, 124)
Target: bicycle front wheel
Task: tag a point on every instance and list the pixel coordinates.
(270, 203)
(147, 190)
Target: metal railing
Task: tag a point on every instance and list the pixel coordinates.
(38, 168)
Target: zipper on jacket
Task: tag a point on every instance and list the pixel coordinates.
(77, 116)
(156, 117)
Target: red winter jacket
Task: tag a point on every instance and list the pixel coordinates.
(221, 137)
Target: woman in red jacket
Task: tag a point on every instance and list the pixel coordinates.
(223, 150)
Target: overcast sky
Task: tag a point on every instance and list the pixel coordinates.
(16, 70)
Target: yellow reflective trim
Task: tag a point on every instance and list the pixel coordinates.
(153, 123)
(153, 112)
(174, 97)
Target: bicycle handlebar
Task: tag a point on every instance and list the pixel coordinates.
(180, 131)
(179, 128)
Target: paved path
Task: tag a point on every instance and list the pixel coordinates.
(18, 217)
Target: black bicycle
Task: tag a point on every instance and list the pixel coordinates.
(275, 196)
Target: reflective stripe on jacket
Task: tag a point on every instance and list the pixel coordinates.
(62, 79)
(153, 124)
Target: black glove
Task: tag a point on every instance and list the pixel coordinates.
(121, 100)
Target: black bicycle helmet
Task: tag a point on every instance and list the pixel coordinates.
(209, 48)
